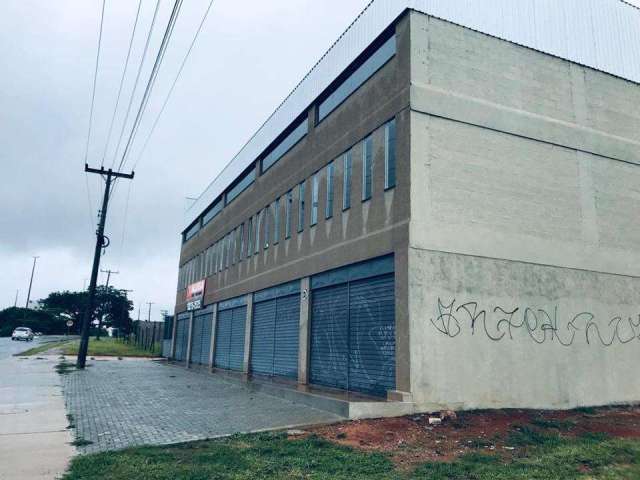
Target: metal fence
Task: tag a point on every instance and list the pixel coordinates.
(146, 335)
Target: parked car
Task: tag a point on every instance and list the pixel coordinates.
(22, 333)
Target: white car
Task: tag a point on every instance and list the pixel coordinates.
(22, 333)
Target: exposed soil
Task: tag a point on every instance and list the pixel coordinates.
(411, 439)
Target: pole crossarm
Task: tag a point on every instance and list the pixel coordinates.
(110, 172)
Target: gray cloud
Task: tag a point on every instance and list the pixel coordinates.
(246, 61)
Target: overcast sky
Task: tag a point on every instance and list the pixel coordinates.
(247, 59)
(245, 62)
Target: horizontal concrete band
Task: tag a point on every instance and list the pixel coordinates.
(433, 101)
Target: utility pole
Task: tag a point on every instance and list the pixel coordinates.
(33, 269)
(15, 303)
(106, 288)
(101, 242)
(150, 303)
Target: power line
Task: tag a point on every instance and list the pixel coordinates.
(93, 98)
(152, 79)
(173, 85)
(95, 79)
(124, 72)
(135, 84)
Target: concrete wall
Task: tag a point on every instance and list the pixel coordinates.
(524, 251)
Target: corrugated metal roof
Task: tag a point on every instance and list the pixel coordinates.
(602, 34)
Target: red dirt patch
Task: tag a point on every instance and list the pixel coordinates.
(411, 440)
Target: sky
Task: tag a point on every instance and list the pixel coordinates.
(246, 60)
(243, 65)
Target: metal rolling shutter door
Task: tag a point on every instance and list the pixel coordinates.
(196, 340)
(223, 338)
(263, 337)
(329, 336)
(205, 343)
(236, 344)
(372, 335)
(285, 358)
(181, 339)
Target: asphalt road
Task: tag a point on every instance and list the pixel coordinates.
(8, 347)
(34, 440)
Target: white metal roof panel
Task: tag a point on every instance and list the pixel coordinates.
(602, 34)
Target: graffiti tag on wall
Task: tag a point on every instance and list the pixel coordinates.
(542, 325)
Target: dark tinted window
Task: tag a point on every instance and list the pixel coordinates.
(213, 210)
(390, 154)
(315, 187)
(358, 77)
(285, 145)
(241, 185)
(328, 210)
(301, 194)
(367, 167)
(346, 181)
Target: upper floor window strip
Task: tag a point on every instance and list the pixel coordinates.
(285, 145)
(365, 71)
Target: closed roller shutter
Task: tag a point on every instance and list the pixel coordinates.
(275, 336)
(223, 337)
(353, 328)
(205, 349)
(329, 337)
(229, 353)
(201, 337)
(263, 337)
(285, 357)
(236, 348)
(372, 341)
(196, 339)
(181, 338)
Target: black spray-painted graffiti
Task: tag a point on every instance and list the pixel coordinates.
(542, 325)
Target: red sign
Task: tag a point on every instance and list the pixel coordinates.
(195, 290)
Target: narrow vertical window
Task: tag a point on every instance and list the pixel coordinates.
(257, 239)
(227, 248)
(241, 233)
(328, 210)
(267, 237)
(315, 186)
(234, 246)
(390, 154)
(301, 194)
(346, 181)
(276, 221)
(220, 255)
(288, 206)
(214, 260)
(367, 168)
(250, 237)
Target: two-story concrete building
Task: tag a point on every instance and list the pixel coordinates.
(444, 213)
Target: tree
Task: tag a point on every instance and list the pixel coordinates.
(111, 305)
(36, 320)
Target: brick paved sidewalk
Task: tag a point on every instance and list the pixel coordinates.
(121, 403)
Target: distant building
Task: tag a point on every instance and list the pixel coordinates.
(436, 215)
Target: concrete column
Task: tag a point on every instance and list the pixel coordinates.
(172, 351)
(247, 334)
(212, 348)
(187, 360)
(305, 328)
